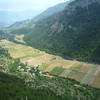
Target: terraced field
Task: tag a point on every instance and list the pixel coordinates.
(84, 72)
(20, 51)
(88, 78)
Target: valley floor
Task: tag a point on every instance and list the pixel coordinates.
(83, 72)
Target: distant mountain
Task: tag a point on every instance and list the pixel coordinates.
(26, 25)
(52, 10)
(73, 33)
(9, 17)
(2, 24)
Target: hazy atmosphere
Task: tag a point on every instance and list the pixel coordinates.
(17, 10)
(21, 5)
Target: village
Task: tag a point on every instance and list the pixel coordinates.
(34, 71)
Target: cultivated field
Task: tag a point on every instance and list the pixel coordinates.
(83, 72)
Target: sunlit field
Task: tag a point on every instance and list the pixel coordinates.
(84, 72)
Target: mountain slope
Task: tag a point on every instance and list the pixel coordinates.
(52, 10)
(73, 33)
(9, 17)
(27, 25)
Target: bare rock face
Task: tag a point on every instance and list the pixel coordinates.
(57, 27)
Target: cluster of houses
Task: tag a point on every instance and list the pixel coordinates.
(33, 70)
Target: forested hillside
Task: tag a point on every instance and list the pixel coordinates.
(73, 33)
(44, 88)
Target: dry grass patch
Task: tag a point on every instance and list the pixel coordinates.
(39, 60)
(65, 73)
(96, 79)
(20, 51)
(59, 62)
(96, 82)
(76, 66)
(88, 78)
(76, 75)
(85, 68)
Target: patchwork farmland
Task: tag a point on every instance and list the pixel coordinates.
(84, 72)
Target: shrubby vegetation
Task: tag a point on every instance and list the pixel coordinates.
(1, 34)
(44, 88)
(7, 63)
